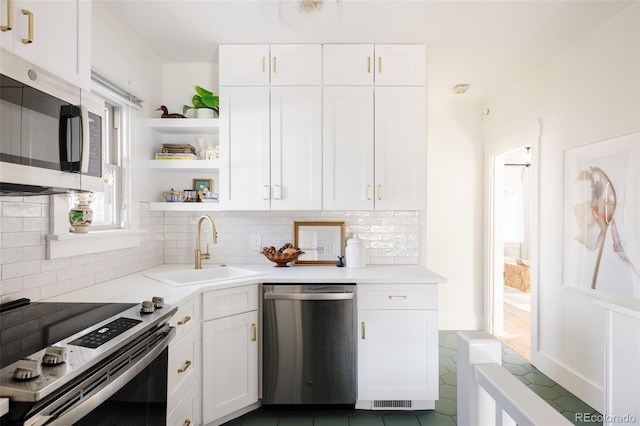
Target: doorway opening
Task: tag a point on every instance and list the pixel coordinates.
(512, 241)
(516, 254)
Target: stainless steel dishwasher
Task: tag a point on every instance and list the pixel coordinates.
(309, 344)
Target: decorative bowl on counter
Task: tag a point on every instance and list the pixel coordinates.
(287, 253)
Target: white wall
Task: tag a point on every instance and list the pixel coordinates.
(454, 214)
(588, 93)
(180, 81)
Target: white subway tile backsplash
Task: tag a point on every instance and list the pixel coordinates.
(10, 224)
(21, 210)
(36, 224)
(11, 255)
(170, 238)
(20, 269)
(20, 239)
(40, 280)
(9, 286)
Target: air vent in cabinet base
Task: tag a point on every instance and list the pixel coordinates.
(395, 404)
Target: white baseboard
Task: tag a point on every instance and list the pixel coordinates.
(589, 392)
(460, 323)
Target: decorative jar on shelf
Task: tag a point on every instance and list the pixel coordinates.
(81, 214)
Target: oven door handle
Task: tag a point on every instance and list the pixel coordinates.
(308, 296)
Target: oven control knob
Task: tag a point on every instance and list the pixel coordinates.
(27, 369)
(147, 307)
(54, 355)
(158, 302)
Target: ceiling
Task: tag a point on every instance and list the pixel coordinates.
(485, 44)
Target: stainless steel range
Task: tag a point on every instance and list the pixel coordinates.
(84, 363)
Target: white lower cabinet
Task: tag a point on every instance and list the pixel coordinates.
(230, 351)
(187, 412)
(397, 347)
(184, 365)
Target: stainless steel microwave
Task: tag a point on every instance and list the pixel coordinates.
(50, 132)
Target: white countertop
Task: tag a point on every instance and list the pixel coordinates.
(137, 287)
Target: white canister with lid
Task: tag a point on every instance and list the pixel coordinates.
(356, 253)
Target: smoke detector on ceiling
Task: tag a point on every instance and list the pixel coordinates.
(460, 89)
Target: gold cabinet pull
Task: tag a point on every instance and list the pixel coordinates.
(275, 70)
(9, 25)
(187, 422)
(186, 365)
(29, 38)
(185, 320)
(265, 192)
(379, 192)
(368, 192)
(254, 328)
(363, 330)
(264, 63)
(368, 64)
(379, 64)
(397, 297)
(277, 192)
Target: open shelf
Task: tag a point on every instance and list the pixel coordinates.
(186, 165)
(185, 126)
(188, 207)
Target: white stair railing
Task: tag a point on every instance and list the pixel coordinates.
(488, 394)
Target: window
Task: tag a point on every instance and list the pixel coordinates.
(110, 206)
(107, 205)
(112, 227)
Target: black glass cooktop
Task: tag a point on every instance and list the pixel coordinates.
(27, 327)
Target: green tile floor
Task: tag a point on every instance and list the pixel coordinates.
(445, 412)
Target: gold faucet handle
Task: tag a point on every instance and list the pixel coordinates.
(206, 255)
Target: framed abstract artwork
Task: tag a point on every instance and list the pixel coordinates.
(601, 252)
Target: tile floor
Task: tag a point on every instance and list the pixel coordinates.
(445, 412)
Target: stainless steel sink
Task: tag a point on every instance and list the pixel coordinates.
(212, 274)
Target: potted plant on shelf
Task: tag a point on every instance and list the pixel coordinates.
(205, 104)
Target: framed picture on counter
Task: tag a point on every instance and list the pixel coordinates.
(321, 241)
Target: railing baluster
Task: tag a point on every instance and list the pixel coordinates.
(488, 394)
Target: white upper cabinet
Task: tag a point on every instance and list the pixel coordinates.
(296, 65)
(271, 136)
(296, 148)
(400, 148)
(399, 65)
(303, 143)
(348, 175)
(55, 35)
(244, 65)
(348, 64)
(380, 64)
(244, 148)
(278, 65)
(374, 151)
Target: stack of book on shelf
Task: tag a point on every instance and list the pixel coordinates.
(176, 156)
